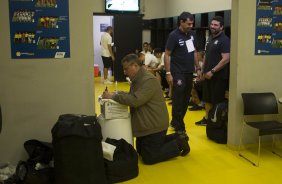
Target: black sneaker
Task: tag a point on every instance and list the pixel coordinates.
(196, 108)
(183, 146)
(202, 122)
(172, 125)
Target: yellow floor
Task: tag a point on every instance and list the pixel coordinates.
(207, 163)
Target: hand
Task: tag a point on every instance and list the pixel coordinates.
(199, 75)
(113, 58)
(107, 95)
(208, 75)
(169, 79)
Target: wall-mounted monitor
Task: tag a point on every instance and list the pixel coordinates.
(122, 6)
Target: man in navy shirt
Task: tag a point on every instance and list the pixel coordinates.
(180, 63)
(216, 67)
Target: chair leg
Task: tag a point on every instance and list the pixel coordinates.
(273, 142)
(240, 146)
(273, 145)
(258, 152)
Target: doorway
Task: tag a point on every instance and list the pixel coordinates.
(100, 23)
(127, 36)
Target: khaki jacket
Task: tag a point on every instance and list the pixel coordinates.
(147, 105)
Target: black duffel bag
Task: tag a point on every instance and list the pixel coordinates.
(78, 154)
(125, 162)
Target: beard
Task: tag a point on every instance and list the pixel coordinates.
(215, 31)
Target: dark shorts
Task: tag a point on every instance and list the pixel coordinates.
(107, 61)
(214, 90)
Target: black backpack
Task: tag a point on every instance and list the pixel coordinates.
(38, 151)
(216, 129)
(36, 169)
(218, 115)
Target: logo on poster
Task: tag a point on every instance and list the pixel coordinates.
(60, 55)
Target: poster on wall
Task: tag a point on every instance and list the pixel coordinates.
(268, 27)
(39, 29)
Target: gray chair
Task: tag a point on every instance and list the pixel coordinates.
(260, 104)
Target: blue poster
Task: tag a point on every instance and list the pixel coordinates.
(268, 27)
(39, 28)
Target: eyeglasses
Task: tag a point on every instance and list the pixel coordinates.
(127, 66)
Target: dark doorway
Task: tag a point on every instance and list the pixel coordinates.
(127, 38)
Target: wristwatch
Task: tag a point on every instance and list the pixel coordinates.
(212, 71)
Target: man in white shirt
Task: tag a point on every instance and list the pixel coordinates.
(155, 62)
(150, 60)
(161, 73)
(107, 52)
(146, 48)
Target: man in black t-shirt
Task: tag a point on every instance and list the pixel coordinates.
(180, 62)
(215, 67)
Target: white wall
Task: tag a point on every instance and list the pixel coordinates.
(175, 7)
(146, 36)
(34, 92)
(153, 9)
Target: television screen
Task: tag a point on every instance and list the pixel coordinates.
(122, 6)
